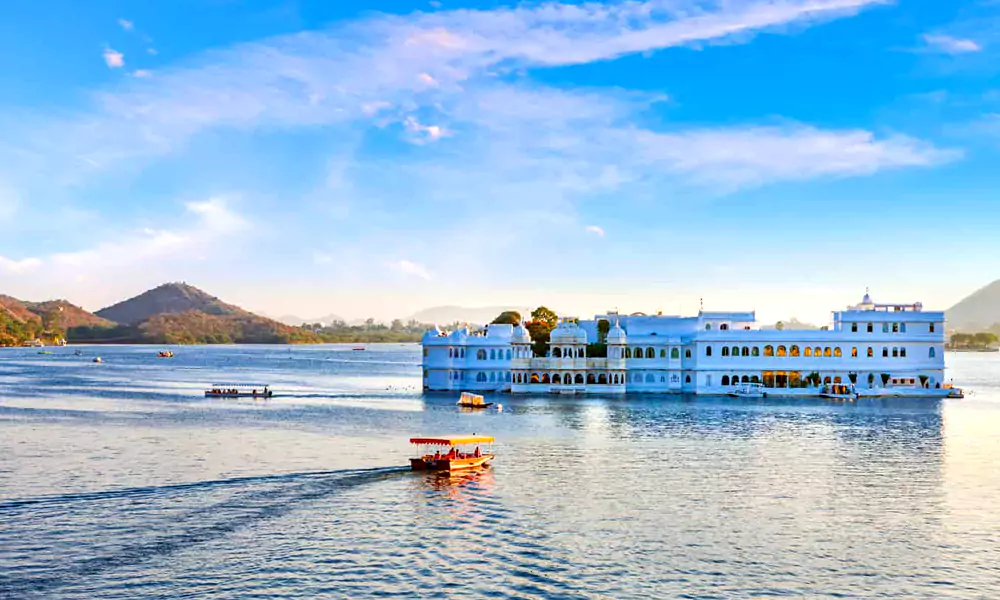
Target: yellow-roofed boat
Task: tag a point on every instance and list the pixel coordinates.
(468, 400)
(460, 454)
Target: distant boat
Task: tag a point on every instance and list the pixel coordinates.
(165, 354)
(748, 390)
(473, 401)
(358, 348)
(97, 359)
(239, 390)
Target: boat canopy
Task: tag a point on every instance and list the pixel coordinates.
(453, 440)
(239, 385)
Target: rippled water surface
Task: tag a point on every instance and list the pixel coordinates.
(119, 480)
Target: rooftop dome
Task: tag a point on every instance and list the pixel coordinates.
(568, 332)
(616, 335)
(520, 335)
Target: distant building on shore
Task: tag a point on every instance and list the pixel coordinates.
(882, 349)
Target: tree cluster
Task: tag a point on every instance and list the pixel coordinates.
(973, 341)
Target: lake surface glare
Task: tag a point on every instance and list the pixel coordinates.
(120, 480)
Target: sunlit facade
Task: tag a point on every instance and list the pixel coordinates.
(883, 349)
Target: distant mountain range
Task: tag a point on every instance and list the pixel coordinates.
(446, 315)
(977, 312)
(791, 324)
(298, 321)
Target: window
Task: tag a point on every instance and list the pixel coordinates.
(723, 327)
(493, 377)
(808, 351)
(902, 327)
(534, 378)
(508, 354)
(930, 328)
(663, 379)
(462, 353)
(854, 352)
(902, 353)
(793, 351)
(628, 353)
(650, 353)
(579, 378)
(506, 376)
(895, 352)
(871, 328)
(674, 353)
(854, 327)
(480, 377)
(837, 352)
(895, 327)
(687, 353)
(782, 351)
(746, 351)
(451, 353)
(480, 354)
(817, 352)
(870, 353)
(663, 352)
(557, 378)
(687, 379)
(591, 378)
(768, 350)
(493, 354)
(930, 352)
(885, 352)
(746, 379)
(708, 351)
(725, 350)
(650, 378)
(826, 352)
(557, 352)
(708, 326)
(885, 328)
(725, 380)
(837, 379)
(735, 351)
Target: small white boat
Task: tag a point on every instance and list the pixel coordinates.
(97, 359)
(748, 390)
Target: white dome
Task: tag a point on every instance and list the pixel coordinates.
(616, 335)
(568, 332)
(520, 335)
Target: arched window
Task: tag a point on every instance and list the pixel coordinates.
(545, 378)
(708, 351)
(746, 351)
(902, 352)
(724, 327)
(480, 377)
(768, 350)
(650, 353)
(557, 379)
(508, 354)
(687, 379)
(579, 378)
(628, 353)
(854, 352)
(663, 379)
(871, 328)
(826, 380)
(493, 376)
(735, 351)
(895, 327)
(480, 354)
(793, 351)
(663, 352)
(534, 378)
(754, 379)
(637, 378)
(557, 352)
(782, 351)
(808, 351)
(885, 352)
(708, 326)
(930, 328)
(462, 353)
(725, 351)
(451, 353)
(650, 378)
(930, 352)
(687, 353)
(837, 352)
(674, 353)
(854, 327)
(826, 352)
(817, 352)
(837, 379)
(725, 380)
(506, 376)
(895, 352)
(745, 379)
(591, 378)
(755, 351)
(871, 353)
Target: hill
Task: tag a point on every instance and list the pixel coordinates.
(169, 298)
(443, 315)
(976, 312)
(21, 320)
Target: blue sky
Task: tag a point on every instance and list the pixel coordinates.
(377, 158)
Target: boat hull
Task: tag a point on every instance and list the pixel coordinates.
(467, 405)
(444, 464)
(246, 395)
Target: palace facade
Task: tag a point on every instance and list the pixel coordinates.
(879, 348)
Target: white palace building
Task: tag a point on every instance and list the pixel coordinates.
(882, 349)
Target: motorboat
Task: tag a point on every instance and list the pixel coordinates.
(748, 390)
(458, 457)
(838, 391)
(239, 390)
(97, 359)
(468, 400)
(165, 354)
(954, 392)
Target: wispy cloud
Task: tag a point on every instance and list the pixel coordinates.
(141, 73)
(411, 268)
(113, 58)
(126, 24)
(19, 266)
(594, 229)
(951, 45)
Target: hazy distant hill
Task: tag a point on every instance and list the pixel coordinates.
(978, 311)
(298, 321)
(444, 315)
(791, 324)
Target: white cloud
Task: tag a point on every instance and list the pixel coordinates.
(141, 73)
(152, 51)
(423, 133)
(951, 45)
(594, 229)
(126, 24)
(113, 58)
(410, 268)
(19, 266)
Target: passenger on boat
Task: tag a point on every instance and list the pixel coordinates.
(477, 453)
(437, 455)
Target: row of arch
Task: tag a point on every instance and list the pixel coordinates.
(558, 352)
(736, 379)
(817, 352)
(493, 377)
(890, 327)
(650, 352)
(570, 378)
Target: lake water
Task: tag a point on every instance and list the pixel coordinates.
(119, 480)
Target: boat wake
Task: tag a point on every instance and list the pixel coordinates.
(133, 525)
